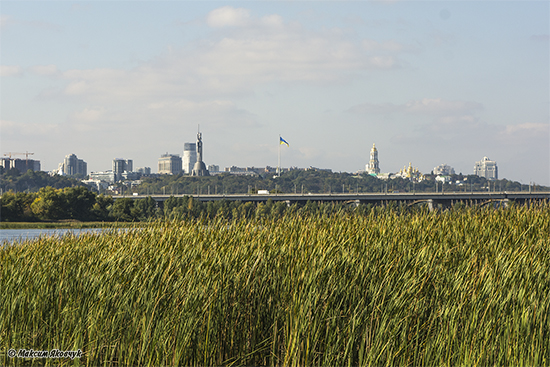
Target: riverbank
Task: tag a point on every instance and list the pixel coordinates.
(64, 224)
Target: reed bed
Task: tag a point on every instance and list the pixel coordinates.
(462, 287)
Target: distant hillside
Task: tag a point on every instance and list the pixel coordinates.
(32, 181)
(317, 182)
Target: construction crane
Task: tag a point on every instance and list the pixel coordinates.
(26, 154)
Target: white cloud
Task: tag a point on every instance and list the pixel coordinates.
(425, 106)
(438, 106)
(10, 70)
(455, 126)
(272, 20)
(228, 16)
(456, 132)
(391, 45)
(532, 128)
(155, 118)
(45, 70)
(376, 108)
(89, 115)
(526, 132)
(235, 63)
(9, 127)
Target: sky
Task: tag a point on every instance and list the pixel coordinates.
(429, 82)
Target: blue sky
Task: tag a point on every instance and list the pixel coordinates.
(429, 82)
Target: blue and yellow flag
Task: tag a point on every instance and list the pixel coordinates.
(283, 141)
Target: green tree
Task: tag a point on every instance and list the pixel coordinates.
(79, 202)
(100, 209)
(49, 204)
(16, 207)
(144, 209)
(121, 210)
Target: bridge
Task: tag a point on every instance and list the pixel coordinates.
(433, 200)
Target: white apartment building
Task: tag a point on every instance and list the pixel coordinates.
(170, 164)
(486, 168)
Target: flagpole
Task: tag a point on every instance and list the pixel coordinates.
(279, 161)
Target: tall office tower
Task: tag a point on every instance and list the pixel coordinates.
(373, 166)
(120, 166)
(170, 164)
(200, 168)
(73, 166)
(486, 168)
(189, 157)
(129, 165)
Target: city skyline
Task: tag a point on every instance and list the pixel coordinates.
(428, 82)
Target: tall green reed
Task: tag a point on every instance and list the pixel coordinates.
(466, 286)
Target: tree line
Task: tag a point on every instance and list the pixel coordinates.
(294, 181)
(82, 204)
(32, 181)
(62, 199)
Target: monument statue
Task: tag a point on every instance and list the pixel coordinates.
(200, 168)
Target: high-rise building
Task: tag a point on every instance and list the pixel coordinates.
(486, 168)
(22, 165)
(444, 170)
(73, 166)
(189, 157)
(120, 166)
(373, 166)
(170, 164)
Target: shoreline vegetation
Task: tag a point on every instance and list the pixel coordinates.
(38, 198)
(466, 286)
(78, 207)
(64, 224)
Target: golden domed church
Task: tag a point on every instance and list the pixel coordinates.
(412, 173)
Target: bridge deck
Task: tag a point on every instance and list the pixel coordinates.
(444, 197)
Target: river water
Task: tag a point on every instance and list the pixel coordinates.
(12, 235)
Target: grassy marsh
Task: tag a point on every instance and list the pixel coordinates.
(463, 287)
